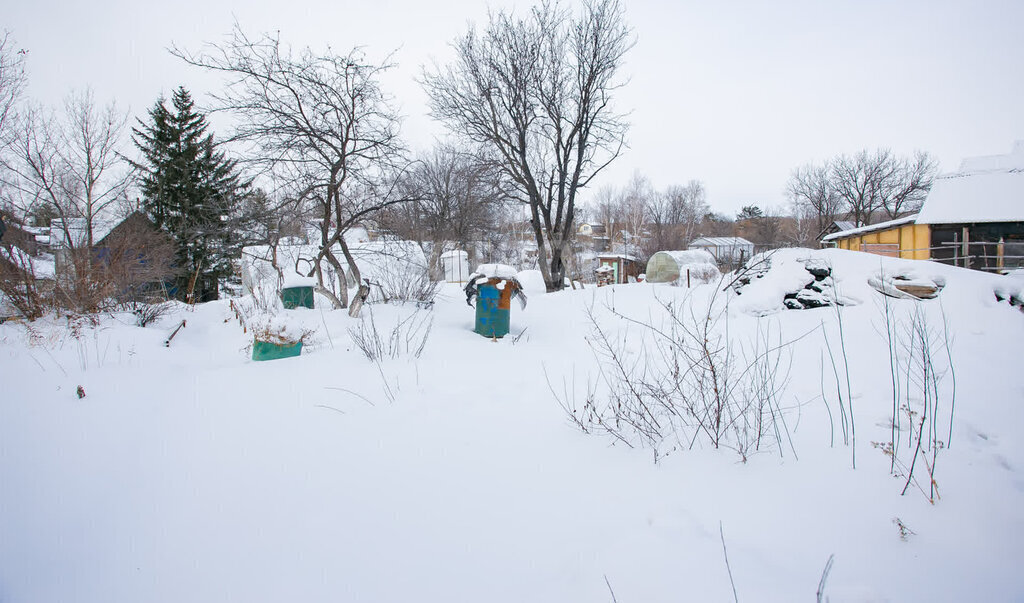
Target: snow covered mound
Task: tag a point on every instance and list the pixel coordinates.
(812, 278)
(532, 281)
(190, 472)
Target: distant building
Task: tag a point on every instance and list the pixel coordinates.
(592, 237)
(834, 227)
(726, 250)
(455, 265)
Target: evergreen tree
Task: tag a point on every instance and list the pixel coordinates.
(191, 190)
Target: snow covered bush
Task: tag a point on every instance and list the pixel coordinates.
(279, 329)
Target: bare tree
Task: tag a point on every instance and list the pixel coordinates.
(321, 122)
(675, 215)
(907, 184)
(865, 186)
(536, 92)
(606, 208)
(458, 200)
(634, 203)
(12, 82)
(857, 180)
(805, 224)
(71, 162)
(810, 187)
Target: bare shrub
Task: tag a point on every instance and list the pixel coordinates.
(147, 314)
(404, 285)
(920, 361)
(407, 338)
(18, 282)
(279, 330)
(687, 384)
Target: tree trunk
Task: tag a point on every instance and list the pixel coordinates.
(342, 281)
(356, 276)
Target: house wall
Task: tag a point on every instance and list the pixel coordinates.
(911, 240)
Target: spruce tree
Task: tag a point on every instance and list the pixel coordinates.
(190, 190)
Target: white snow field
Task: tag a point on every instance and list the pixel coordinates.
(192, 473)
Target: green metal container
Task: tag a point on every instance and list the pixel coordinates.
(492, 312)
(262, 350)
(297, 297)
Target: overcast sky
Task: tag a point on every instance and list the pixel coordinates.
(735, 94)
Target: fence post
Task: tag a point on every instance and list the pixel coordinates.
(966, 248)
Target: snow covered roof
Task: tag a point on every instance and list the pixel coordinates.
(1013, 160)
(869, 228)
(616, 256)
(985, 189)
(720, 242)
(77, 230)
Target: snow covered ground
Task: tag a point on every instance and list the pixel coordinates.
(191, 473)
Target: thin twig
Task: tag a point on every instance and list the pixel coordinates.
(614, 600)
(824, 577)
(348, 391)
(725, 551)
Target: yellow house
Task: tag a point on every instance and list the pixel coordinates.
(900, 238)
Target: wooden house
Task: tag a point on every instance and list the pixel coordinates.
(973, 218)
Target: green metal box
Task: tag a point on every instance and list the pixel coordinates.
(297, 297)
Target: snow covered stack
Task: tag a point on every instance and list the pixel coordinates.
(801, 279)
(794, 279)
(907, 283)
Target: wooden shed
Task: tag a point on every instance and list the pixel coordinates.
(624, 268)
